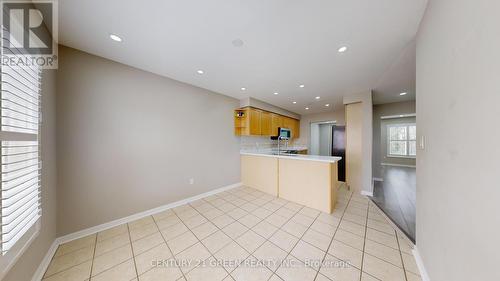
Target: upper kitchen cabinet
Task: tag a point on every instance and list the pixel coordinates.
(249, 121)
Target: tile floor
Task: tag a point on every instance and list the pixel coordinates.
(243, 234)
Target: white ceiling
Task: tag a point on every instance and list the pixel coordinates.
(286, 43)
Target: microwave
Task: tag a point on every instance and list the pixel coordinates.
(284, 133)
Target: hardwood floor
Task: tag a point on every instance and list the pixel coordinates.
(396, 196)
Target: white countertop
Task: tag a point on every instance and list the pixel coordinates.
(317, 158)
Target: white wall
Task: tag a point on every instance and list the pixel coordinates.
(458, 112)
(129, 140)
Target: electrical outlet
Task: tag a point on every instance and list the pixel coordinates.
(191, 181)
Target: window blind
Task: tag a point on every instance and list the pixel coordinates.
(20, 154)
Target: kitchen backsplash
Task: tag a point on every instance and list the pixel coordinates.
(252, 143)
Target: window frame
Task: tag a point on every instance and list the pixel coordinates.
(407, 140)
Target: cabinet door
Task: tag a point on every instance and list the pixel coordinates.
(288, 123)
(255, 121)
(296, 129)
(265, 123)
(276, 122)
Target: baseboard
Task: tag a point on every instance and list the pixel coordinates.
(92, 230)
(40, 271)
(367, 193)
(420, 264)
(111, 224)
(398, 165)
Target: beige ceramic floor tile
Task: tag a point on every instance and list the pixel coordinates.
(111, 244)
(204, 230)
(381, 269)
(346, 253)
(302, 219)
(111, 259)
(264, 229)
(250, 241)
(321, 277)
(237, 213)
(140, 223)
(285, 212)
(208, 272)
(155, 256)
(174, 230)
(212, 214)
(249, 220)
(328, 219)
(146, 243)
(349, 239)
(226, 207)
(367, 277)
(143, 231)
(308, 254)
(276, 220)
(309, 212)
(270, 255)
(123, 271)
(79, 272)
(410, 264)
(339, 271)
(112, 232)
(222, 221)
(383, 252)
(262, 213)
(352, 228)
(192, 257)
(195, 221)
(355, 218)
(380, 226)
(293, 206)
(251, 270)
(413, 277)
(216, 241)
(317, 239)
(294, 228)
(382, 238)
(184, 215)
(324, 228)
(163, 215)
(231, 256)
(235, 230)
(284, 240)
(167, 273)
(66, 261)
(295, 270)
(182, 242)
(75, 245)
(168, 222)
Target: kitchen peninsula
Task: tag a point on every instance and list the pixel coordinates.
(310, 180)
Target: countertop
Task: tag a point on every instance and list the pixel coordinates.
(317, 158)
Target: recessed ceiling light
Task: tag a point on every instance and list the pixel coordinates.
(317, 98)
(402, 94)
(276, 93)
(342, 49)
(115, 37)
(327, 105)
(200, 71)
(302, 85)
(243, 89)
(294, 102)
(307, 108)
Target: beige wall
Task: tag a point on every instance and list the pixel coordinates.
(306, 120)
(129, 141)
(380, 133)
(367, 137)
(458, 101)
(26, 266)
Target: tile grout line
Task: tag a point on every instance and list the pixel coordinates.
(133, 254)
(93, 256)
(333, 237)
(364, 240)
(401, 256)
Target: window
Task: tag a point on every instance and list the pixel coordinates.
(402, 140)
(20, 159)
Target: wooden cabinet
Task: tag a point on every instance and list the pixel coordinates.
(276, 122)
(265, 124)
(255, 128)
(251, 121)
